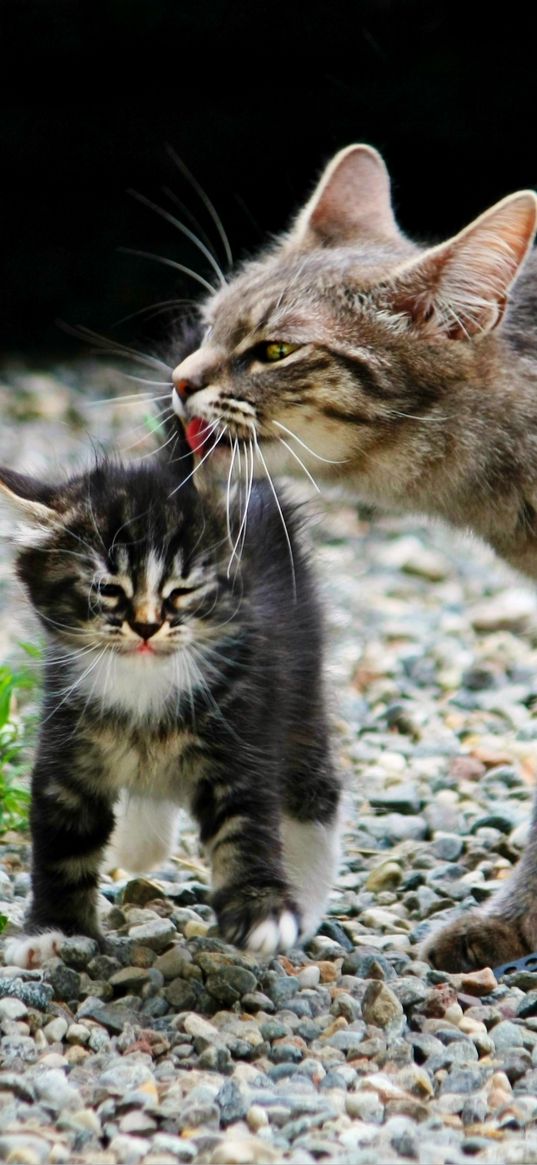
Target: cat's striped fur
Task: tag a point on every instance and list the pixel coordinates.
(407, 373)
(173, 681)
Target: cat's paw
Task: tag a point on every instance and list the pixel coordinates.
(474, 941)
(31, 950)
(263, 921)
(274, 934)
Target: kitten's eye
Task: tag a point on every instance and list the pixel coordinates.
(111, 591)
(275, 350)
(175, 597)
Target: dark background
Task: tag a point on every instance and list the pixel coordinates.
(255, 98)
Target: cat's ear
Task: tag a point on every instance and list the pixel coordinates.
(351, 201)
(25, 507)
(460, 288)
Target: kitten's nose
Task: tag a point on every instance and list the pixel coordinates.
(146, 630)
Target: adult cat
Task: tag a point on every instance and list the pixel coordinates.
(410, 374)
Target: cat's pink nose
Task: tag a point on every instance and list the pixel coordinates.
(195, 371)
(184, 388)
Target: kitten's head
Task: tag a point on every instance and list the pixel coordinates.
(120, 559)
(336, 329)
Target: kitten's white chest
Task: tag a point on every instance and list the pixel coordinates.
(139, 685)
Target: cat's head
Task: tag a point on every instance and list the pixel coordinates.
(120, 559)
(324, 335)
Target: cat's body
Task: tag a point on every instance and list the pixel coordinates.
(409, 374)
(168, 683)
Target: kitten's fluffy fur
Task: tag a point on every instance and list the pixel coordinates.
(171, 681)
(409, 373)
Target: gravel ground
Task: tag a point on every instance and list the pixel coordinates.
(174, 1047)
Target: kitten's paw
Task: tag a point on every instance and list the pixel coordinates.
(265, 921)
(274, 934)
(474, 941)
(31, 950)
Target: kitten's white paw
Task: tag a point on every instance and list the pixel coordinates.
(274, 934)
(32, 950)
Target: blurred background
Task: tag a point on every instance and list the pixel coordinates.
(255, 98)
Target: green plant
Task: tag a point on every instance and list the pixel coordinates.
(16, 730)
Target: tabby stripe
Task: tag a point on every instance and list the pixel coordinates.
(365, 375)
(348, 418)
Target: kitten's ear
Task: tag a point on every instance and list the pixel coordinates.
(460, 288)
(351, 201)
(25, 505)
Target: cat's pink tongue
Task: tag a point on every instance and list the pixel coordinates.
(197, 432)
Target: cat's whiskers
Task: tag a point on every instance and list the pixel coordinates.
(187, 213)
(171, 263)
(144, 398)
(154, 308)
(114, 347)
(68, 656)
(144, 380)
(300, 462)
(153, 452)
(327, 460)
(205, 200)
(280, 511)
(180, 226)
(237, 548)
(72, 687)
(146, 434)
(228, 488)
(63, 626)
(200, 462)
(424, 420)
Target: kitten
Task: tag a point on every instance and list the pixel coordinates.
(409, 374)
(173, 680)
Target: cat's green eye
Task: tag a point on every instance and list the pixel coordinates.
(276, 350)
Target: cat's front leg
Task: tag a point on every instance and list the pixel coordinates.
(253, 901)
(70, 826)
(505, 931)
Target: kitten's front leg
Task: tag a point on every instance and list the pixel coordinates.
(70, 826)
(506, 931)
(252, 899)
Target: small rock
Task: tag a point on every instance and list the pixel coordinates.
(182, 994)
(12, 1008)
(137, 1122)
(384, 877)
(130, 979)
(156, 935)
(31, 993)
(230, 983)
(140, 891)
(380, 1006)
(244, 1151)
(77, 951)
